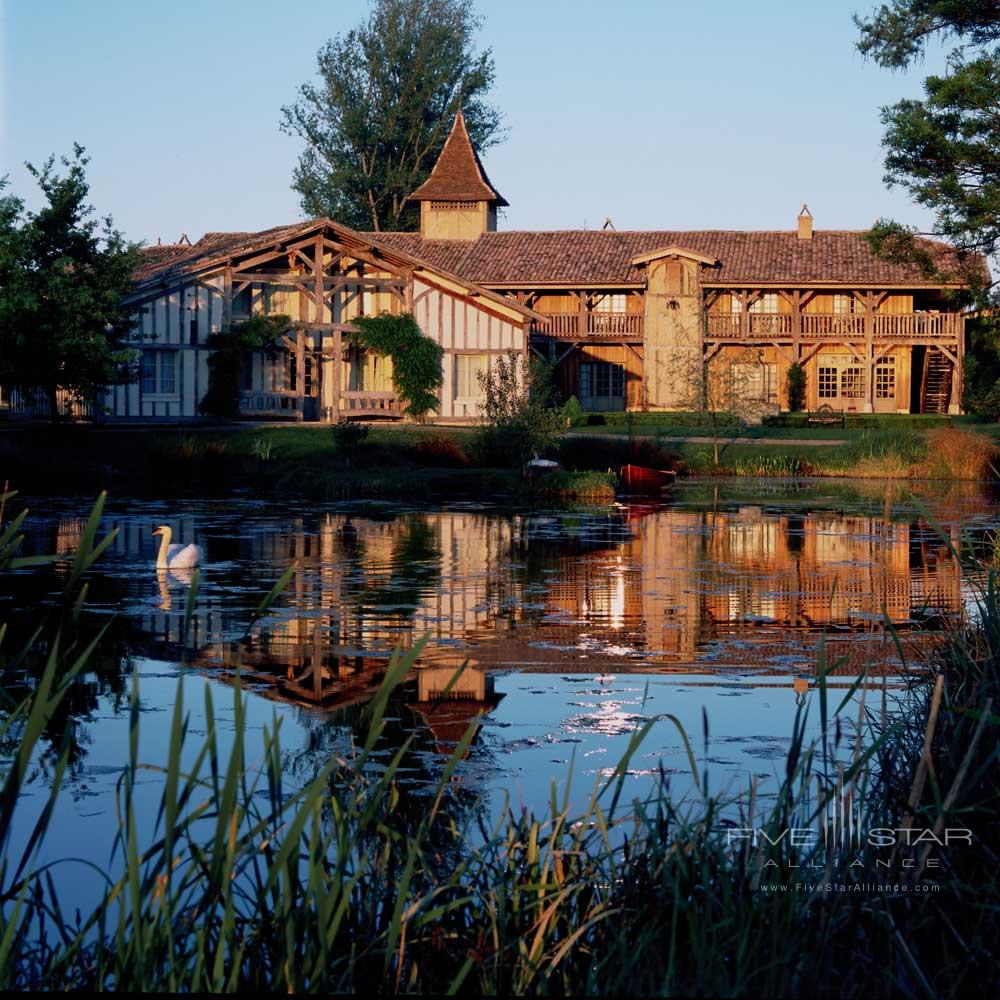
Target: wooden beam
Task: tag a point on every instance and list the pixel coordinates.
(809, 355)
(788, 357)
(565, 354)
(227, 298)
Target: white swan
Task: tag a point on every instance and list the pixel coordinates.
(175, 556)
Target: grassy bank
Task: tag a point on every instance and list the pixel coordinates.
(949, 453)
(240, 882)
(392, 462)
(414, 462)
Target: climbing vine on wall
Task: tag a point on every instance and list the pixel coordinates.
(416, 359)
(230, 351)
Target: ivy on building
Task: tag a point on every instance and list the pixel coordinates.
(231, 350)
(416, 359)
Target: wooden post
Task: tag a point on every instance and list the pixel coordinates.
(319, 318)
(227, 297)
(583, 314)
(300, 363)
(338, 356)
(869, 352)
(955, 403)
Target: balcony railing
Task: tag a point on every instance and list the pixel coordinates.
(815, 326)
(612, 326)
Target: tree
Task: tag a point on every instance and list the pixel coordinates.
(723, 393)
(519, 418)
(796, 377)
(377, 118)
(63, 275)
(943, 149)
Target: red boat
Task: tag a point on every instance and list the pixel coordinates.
(638, 479)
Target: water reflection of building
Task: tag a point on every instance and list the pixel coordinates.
(671, 589)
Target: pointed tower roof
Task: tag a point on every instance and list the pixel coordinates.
(458, 174)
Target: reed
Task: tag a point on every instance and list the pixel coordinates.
(241, 882)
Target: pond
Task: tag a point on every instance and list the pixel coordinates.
(576, 626)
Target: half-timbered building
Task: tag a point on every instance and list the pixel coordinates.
(625, 317)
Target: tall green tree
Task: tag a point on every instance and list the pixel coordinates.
(63, 274)
(944, 149)
(377, 117)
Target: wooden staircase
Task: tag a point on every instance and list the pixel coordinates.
(936, 384)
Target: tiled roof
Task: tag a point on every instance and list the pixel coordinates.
(161, 261)
(592, 258)
(595, 257)
(458, 174)
(161, 266)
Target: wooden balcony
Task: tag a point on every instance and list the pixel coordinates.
(592, 325)
(828, 326)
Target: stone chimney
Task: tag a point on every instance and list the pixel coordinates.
(805, 224)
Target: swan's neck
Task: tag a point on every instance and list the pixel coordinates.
(161, 558)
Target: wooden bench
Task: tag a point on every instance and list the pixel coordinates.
(826, 417)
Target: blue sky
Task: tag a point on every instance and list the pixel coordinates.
(657, 114)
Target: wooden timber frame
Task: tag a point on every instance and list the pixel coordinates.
(330, 275)
(795, 334)
(867, 334)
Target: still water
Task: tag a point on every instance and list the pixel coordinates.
(715, 606)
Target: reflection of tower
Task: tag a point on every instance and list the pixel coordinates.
(672, 552)
(449, 703)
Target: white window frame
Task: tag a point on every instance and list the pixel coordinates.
(158, 354)
(470, 378)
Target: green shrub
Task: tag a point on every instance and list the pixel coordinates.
(573, 412)
(349, 436)
(439, 451)
(796, 376)
(519, 420)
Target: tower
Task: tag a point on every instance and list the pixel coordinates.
(457, 201)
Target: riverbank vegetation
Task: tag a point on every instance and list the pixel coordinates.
(238, 881)
(412, 461)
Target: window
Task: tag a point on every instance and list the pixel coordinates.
(610, 304)
(280, 300)
(158, 373)
(845, 304)
(369, 373)
(826, 382)
(852, 383)
(243, 302)
(765, 304)
(885, 379)
(755, 381)
(601, 378)
(467, 369)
